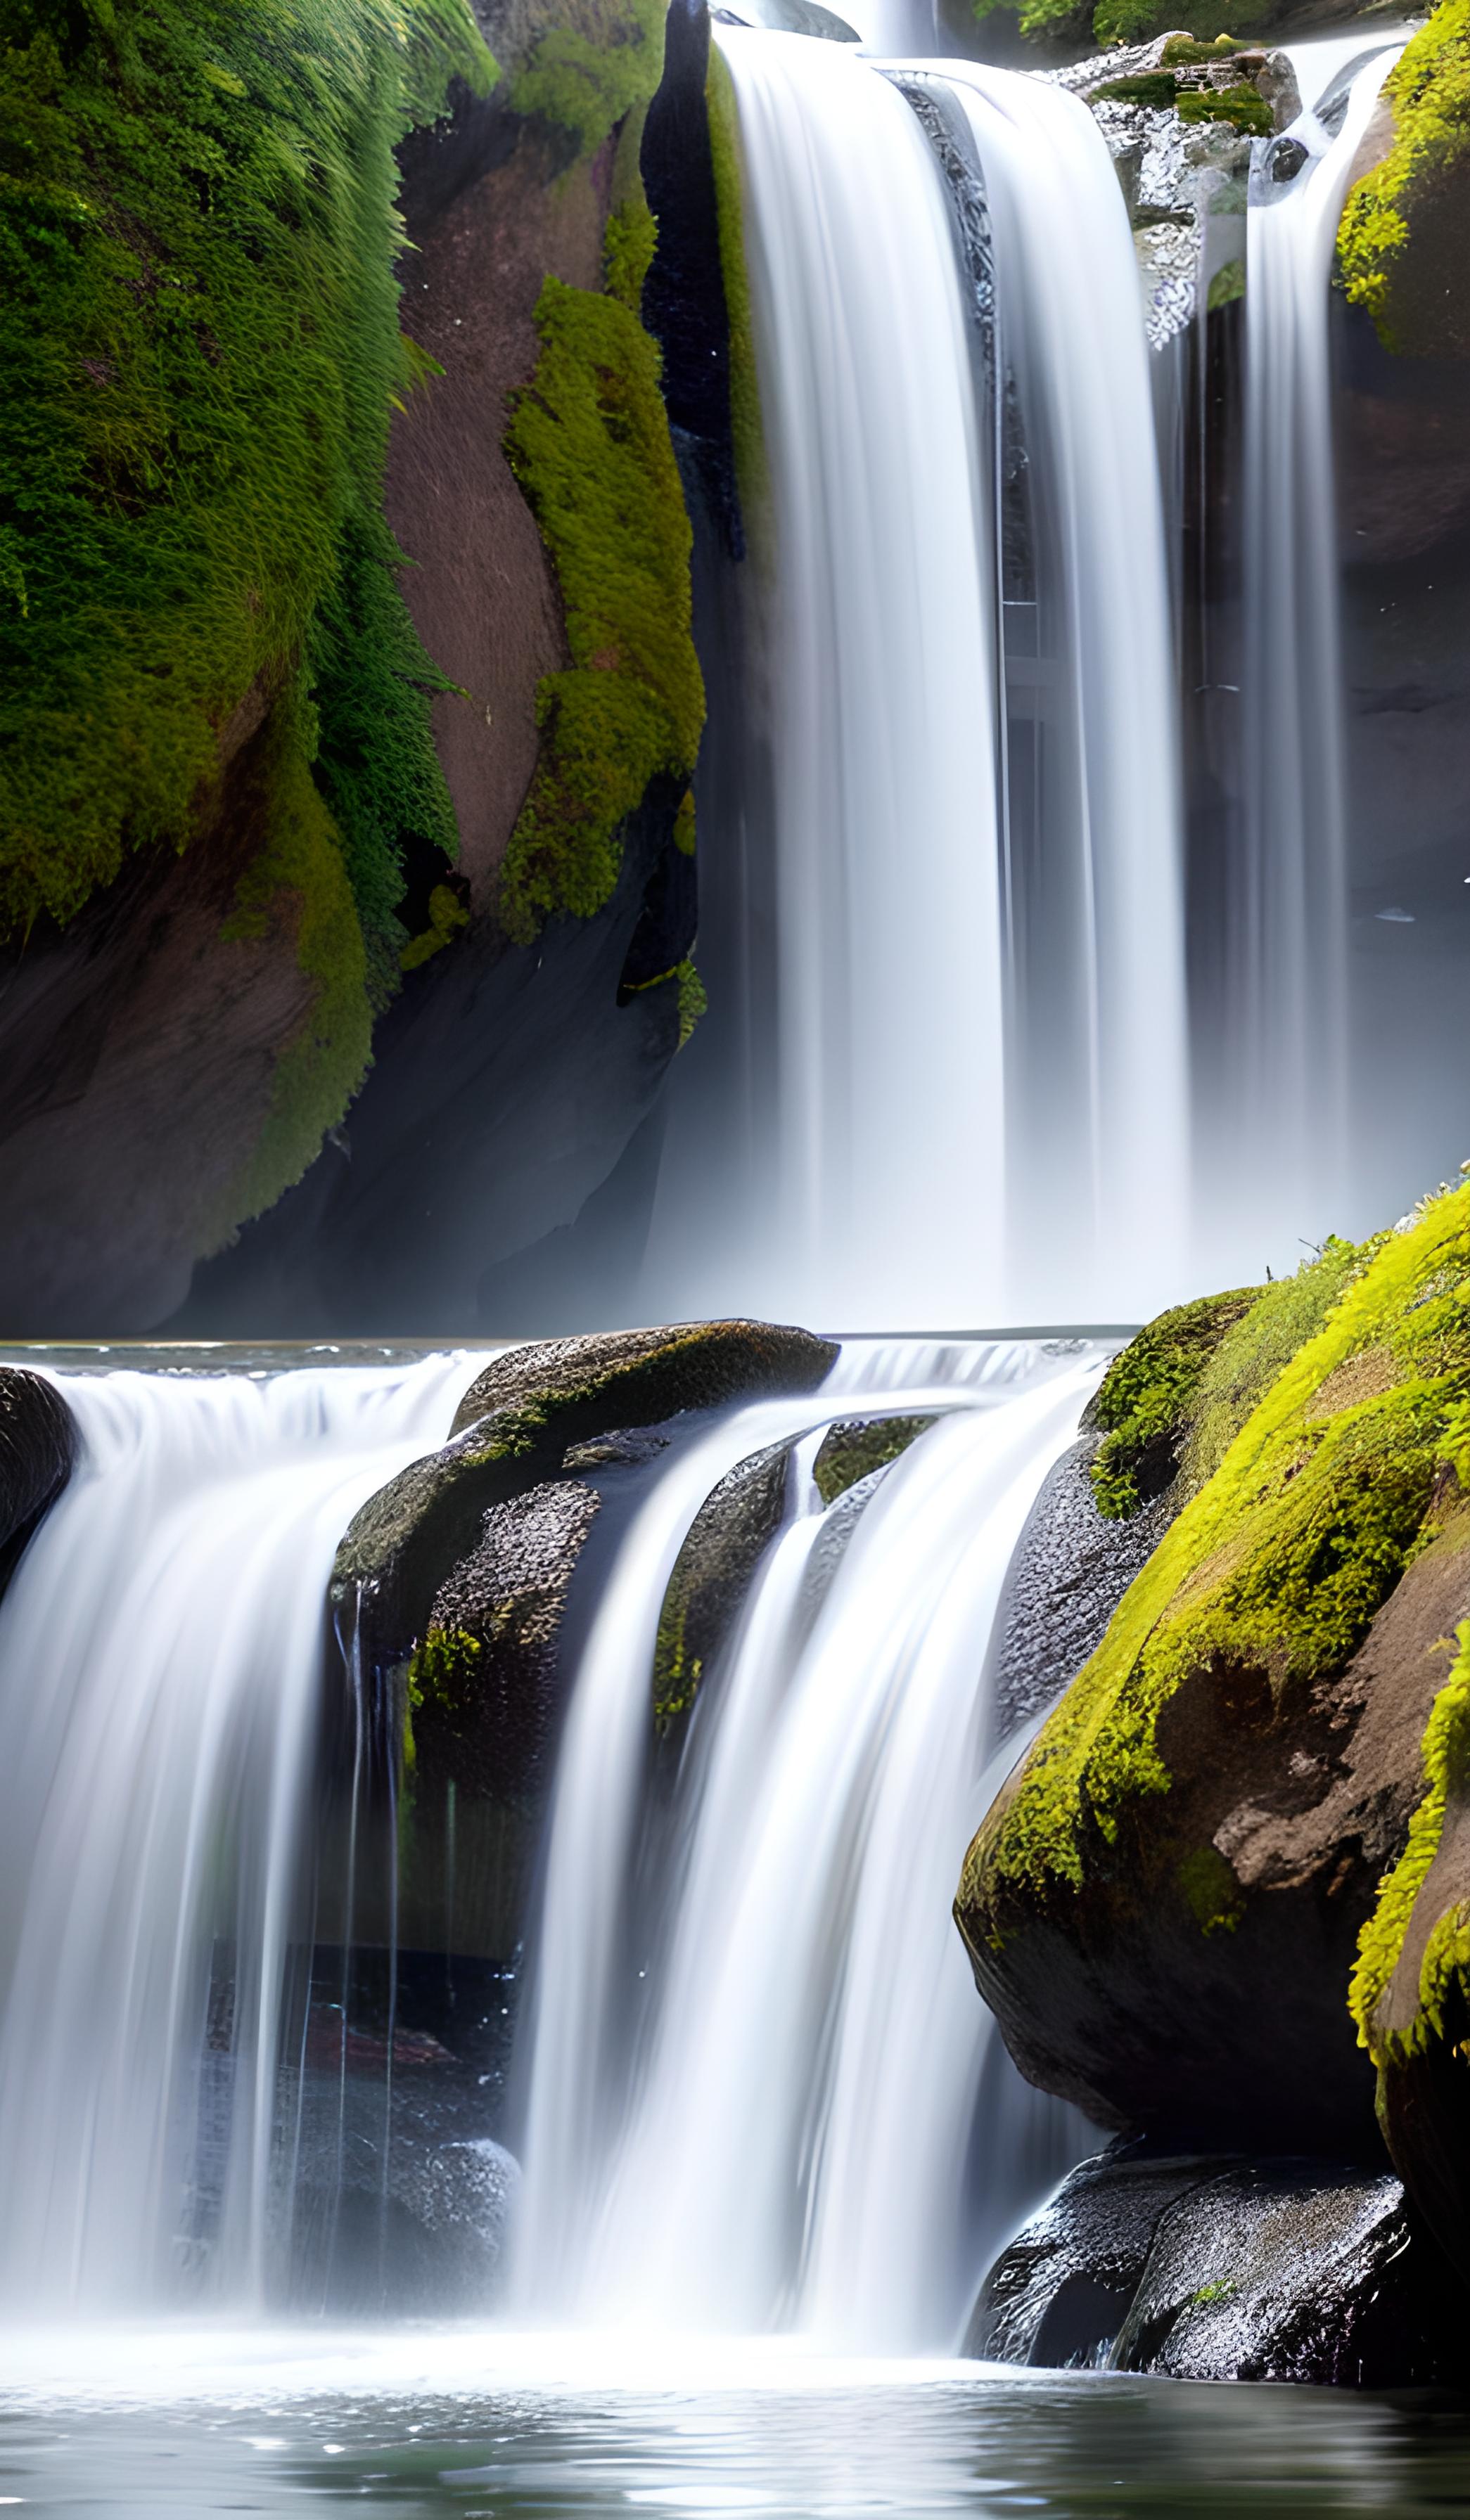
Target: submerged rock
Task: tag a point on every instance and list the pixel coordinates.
(39, 1448)
(1204, 2268)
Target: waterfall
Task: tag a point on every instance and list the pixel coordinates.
(161, 1658)
(1287, 1052)
(757, 2051)
(958, 926)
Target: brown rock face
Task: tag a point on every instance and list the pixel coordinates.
(138, 1055)
(1197, 1982)
(481, 586)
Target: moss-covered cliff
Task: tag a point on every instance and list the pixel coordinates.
(1401, 242)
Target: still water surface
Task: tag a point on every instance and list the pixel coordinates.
(454, 2422)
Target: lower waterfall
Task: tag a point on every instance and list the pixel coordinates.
(161, 1659)
(757, 2051)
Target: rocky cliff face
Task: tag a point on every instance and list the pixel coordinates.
(176, 1045)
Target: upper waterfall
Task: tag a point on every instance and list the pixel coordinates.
(952, 953)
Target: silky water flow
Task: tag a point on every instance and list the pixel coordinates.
(957, 930)
(755, 2051)
(161, 1659)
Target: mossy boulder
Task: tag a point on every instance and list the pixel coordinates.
(1162, 1905)
(512, 1430)
(1401, 242)
(39, 1448)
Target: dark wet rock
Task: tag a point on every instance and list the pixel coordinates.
(833, 1541)
(1298, 2271)
(1058, 2294)
(38, 1447)
(514, 1429)
(1285, 161)
(485, 1681)
(1070, 1571)
(712, 1576)
(426, 2241)
(854, 1447)
(626, 1447)
(1288, 2269)
(647, 1375)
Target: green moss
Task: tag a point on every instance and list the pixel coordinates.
(1145, 1399)
(1429, 90)
(693, 1000)
(683, 825)
(300, 873)
(1446, 1956)
(601, 61)
(1228, 283)
(1224, 2290)
(445, 1672)
(744, 385)
(589, 444)
(1148, 87)
(1279, 1563)
(1212, 1892)
(1243, 108)
(199, 345)
(1185, 52)
(857, 1445)
(448, 916)
(1284, 1316)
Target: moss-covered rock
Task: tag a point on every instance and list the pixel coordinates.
(1401, 242)
(513, 1430)
(38, 1447)
(854, 1447)
(589, 444)
(483, 1682)
(1163, 1904)
(711, 1577)
(1145, 1401)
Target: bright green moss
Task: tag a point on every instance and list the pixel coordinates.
(1278, 1563)
(1145, 1399)
(198, 344)
(1184, 51)
(601, 61)
(693, 999)
(683, 825)
(1255, 1346)
(1242, 106)
(444, 1672)
(730, 195)
(1429, 91)
(589, 444)
(1446, 1769)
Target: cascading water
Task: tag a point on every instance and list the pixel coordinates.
(757, 2051)
(963, 967)
(161, 1655)
(1286, 940)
